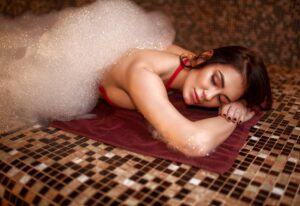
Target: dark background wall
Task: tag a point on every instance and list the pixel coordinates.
(270, 27)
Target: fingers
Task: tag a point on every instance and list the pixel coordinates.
(235, 113)
(223, 111)
(237, 116)
(228, 113)
(249, 115)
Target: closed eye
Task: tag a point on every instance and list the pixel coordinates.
(214, 82)
(214, 79)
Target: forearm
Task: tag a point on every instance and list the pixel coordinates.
(217, 130)
(197, 138)
(157, 108)
(150, 98)
(191, 138)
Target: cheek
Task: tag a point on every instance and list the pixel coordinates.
(238, 93)
(203, 79)
(191, 79)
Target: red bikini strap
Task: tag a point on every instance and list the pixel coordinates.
(175, 74)
(104, 94)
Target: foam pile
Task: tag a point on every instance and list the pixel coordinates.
(51, 65)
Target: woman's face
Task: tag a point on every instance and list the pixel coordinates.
(213, 86)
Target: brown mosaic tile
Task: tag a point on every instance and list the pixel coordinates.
(47, 166)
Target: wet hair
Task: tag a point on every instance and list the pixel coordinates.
(249, 64)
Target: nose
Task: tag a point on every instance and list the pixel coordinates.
(209, 94)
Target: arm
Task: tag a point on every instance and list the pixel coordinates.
(191, 138)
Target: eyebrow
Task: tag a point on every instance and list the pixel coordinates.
(223, 84)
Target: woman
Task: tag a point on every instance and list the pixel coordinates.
(51, 67)
(231, 78)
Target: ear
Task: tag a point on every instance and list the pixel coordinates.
(203, 57)
(206, 55)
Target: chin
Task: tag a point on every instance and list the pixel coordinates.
(186, 102)
(189, 102)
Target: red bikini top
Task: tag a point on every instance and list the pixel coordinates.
(167, 84)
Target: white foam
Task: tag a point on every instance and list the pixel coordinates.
(51, 65)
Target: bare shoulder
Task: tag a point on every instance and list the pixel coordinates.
(156, 61)
(159, 62)
(175, 49)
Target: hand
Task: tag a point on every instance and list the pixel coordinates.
(237, 112)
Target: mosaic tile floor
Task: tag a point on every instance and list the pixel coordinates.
(47, 166)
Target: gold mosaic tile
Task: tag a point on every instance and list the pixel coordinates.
(265, 172)
(47, 166)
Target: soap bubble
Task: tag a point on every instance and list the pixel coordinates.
(51, 65)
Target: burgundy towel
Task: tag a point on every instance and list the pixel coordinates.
(129, 130)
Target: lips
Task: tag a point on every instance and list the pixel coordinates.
(196, 98)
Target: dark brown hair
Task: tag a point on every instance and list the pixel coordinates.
(249, 64)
